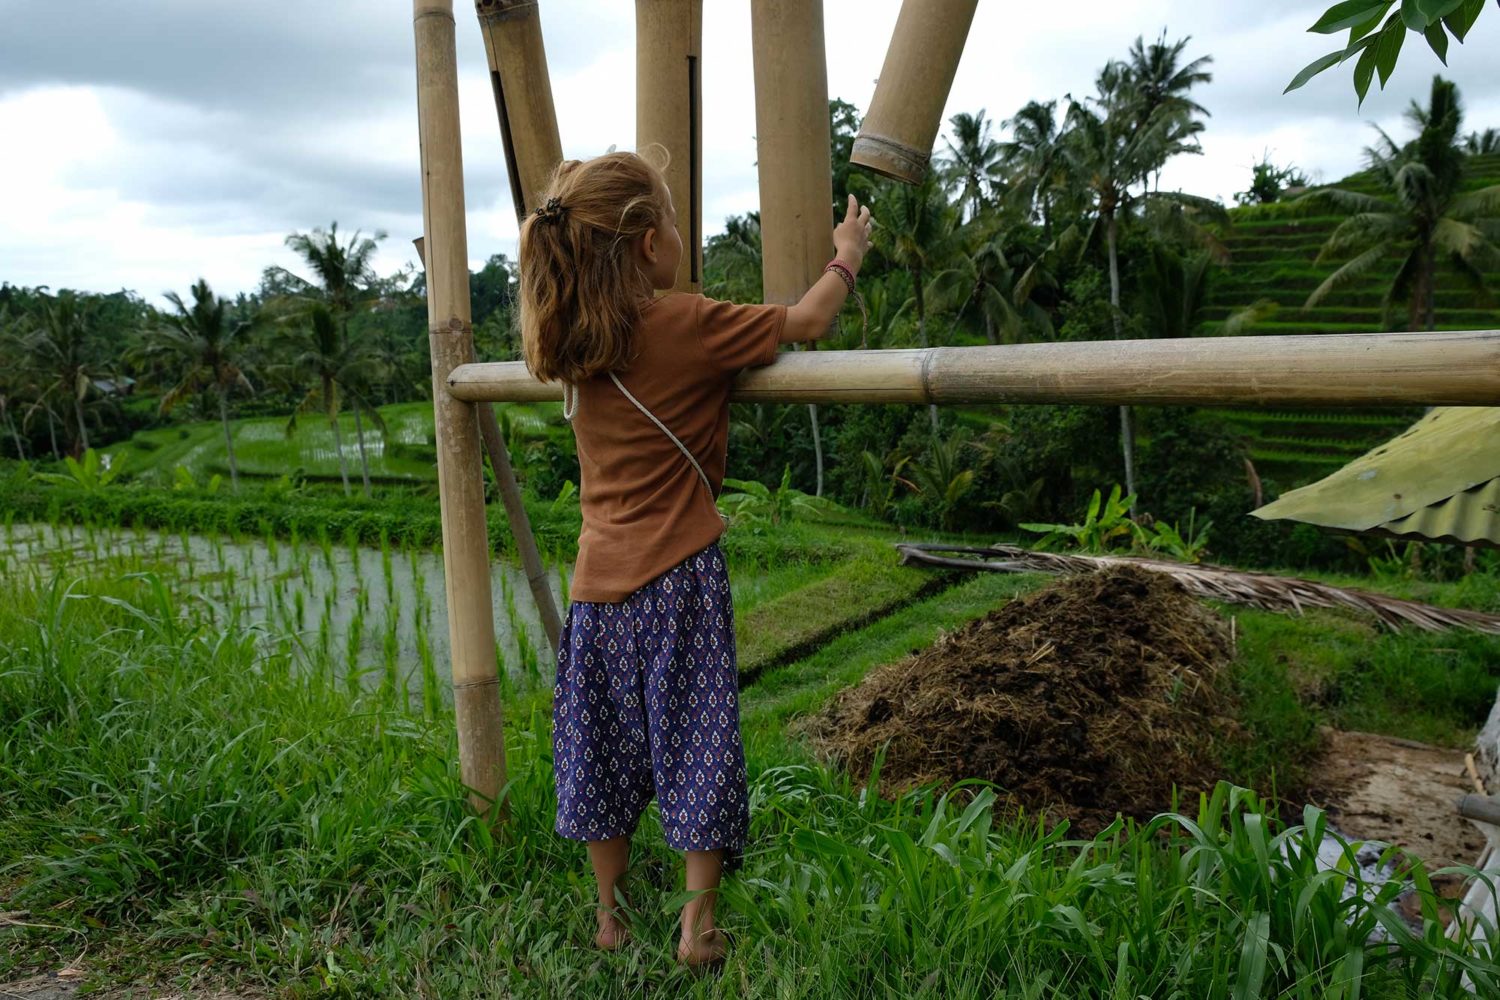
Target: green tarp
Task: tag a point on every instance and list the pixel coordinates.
(1439, 480)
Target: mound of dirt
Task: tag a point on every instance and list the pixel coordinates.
(1092, 696)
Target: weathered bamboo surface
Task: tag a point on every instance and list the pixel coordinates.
(669, 111)
(1356, 369)
(512, 32)
(466, 570)
(896, 135)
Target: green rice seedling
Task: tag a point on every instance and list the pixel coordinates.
(353, 641)
(325, 546)
(386, 570)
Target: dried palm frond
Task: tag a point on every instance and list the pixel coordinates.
(1266, 591)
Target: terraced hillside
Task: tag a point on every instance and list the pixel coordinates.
(1273, 248)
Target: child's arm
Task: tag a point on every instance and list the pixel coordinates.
(813, 316)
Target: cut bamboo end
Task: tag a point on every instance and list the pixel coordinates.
(1359, 369)
(890, 157)
(896, 136)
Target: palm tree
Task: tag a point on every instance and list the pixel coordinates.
(1111, 149)
(61, 347)
(339, 367)
(13, 377)
(1423, 217)
(1161, 85)
(1482, 143)
(1033, 158)
(344, 277)
(201, 344)
(973, 161)
(919, 227)
(983, 278)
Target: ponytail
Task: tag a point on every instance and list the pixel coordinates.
(581, 290)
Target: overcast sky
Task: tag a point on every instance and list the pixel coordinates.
(144, 144)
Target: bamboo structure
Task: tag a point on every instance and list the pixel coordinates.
(896, 136)
(1354, 369)
(466, 571)
(512, 32)
(669, 111)
(792, 157)
(515, 513)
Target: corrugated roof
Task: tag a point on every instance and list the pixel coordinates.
(1439, 480)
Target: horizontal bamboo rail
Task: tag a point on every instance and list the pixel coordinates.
(1355, 369)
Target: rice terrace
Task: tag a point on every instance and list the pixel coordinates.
(1115, 603)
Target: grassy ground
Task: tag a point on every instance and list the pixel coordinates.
(175, 796)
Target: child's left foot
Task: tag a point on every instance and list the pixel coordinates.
(706, 952)
(612, 934)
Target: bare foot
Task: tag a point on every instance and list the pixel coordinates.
(705, 952)
(613, 933)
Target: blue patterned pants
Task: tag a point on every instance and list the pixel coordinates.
(647, 702)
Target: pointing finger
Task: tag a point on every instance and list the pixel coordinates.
(853, 207)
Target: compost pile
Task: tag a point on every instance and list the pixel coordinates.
(1092, 696)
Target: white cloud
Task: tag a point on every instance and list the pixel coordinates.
(155, 142)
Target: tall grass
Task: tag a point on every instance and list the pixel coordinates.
(177, 790)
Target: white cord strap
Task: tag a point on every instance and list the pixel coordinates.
(652, 417)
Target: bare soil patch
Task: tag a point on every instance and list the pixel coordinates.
(1397, 791)
(1090, 697)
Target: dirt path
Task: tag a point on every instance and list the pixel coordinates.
(1397, 791)
(62, 985)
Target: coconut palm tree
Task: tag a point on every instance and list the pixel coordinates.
(973, 161)
(343, 280)
(201, 344)
(1482, 143)
(338, 368)
(986, 280)
(1161, 85)
(1109, 150)
(13, 377)
(1424, 219)
(62, 348)
(917, 232)
(1033, 158)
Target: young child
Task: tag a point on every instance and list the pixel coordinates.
(646, 701)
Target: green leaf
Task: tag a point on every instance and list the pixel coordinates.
(1436, 10)
(1312, 69)
(1388, 47)
(1347, 15)
(1363, 71)
(1365, 27)
(1437, 38)
(1463, 17)
(1253, 957)
(1413, 15)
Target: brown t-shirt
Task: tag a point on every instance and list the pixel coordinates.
(644, 507)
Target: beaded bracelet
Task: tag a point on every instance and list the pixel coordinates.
(845, 272)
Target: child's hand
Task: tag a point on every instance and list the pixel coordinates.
(851, 238)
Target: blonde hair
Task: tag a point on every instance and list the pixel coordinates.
(581, 289)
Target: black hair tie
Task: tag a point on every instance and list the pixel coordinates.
(552, 211)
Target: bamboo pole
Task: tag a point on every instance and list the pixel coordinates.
(515, 512)
(669, 111)
(512, 32)
(466, 571)
(897, 134)
(792, 157)
(1354, 369)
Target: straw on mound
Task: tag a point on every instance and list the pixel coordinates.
(1092, 696)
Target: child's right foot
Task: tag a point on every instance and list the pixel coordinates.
(706, 951)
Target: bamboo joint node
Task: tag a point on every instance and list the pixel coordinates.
(459, 685)
(504, 10)
(455, 327)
